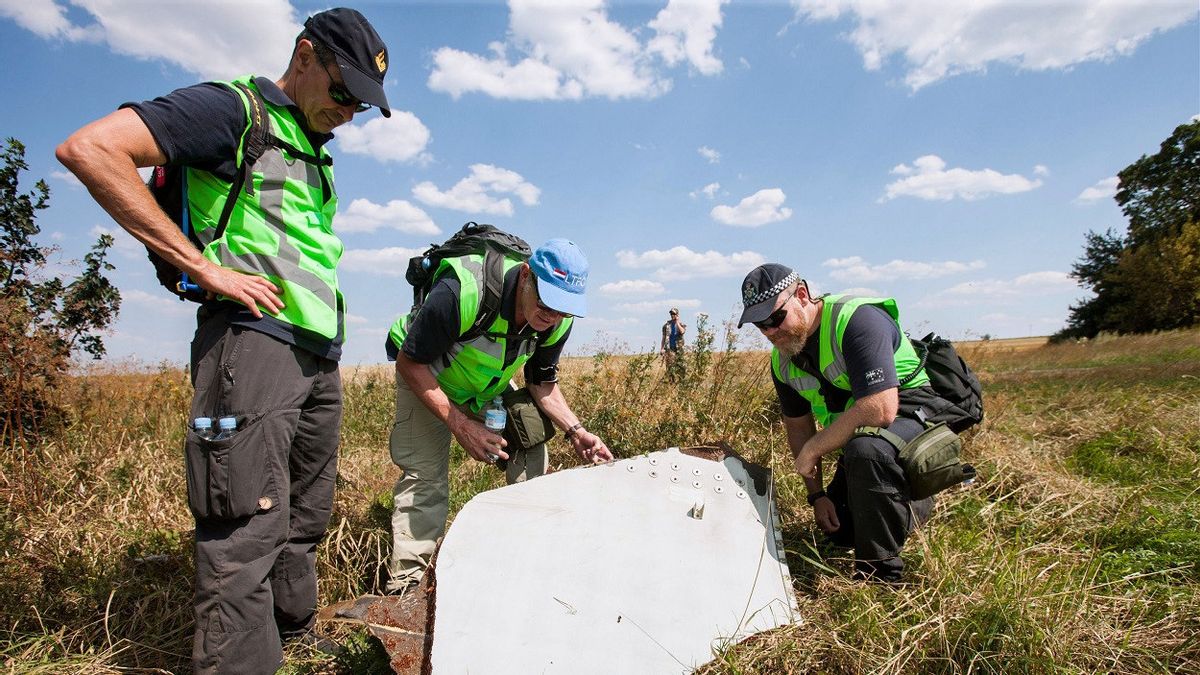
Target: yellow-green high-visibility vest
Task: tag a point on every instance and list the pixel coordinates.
(284, 230)
(835, 316)
(473, 373)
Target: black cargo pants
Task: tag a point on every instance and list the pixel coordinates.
(261, 498)
(870, 493)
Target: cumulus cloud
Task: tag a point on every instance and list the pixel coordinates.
(66, 177)
(937, 39)
(1103, 189)
(1002, 291)
(656, 306)
(363, 215)
(685, 33)
(708, 153)
(709, 191)
(632, 287)
(477, 193)
(388, 262)
(760, 208)
(211, 39)
(155, 304)
(928, 178)
(681, 263)
(856, 269)
(568, 51)
(399, 138)
(1041, 170)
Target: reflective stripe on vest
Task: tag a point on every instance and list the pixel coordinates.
(473, 373)
(284, 231)
(835, 316)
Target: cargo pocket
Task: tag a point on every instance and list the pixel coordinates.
(226, 477)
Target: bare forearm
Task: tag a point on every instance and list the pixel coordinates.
(878, 409)
(548, 396)
(799, 431)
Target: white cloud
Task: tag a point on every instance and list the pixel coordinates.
(938, 39)
(1000, 291)
(363, 215)
(66, 177)
(569, 51)
(211, 39)
(636, 287)
(708, 153)
(155, 304)
(1041, 170)
(399, 138)
(660, 306)
(681, 263)
(389, 262)
(1103, 189)
(356, 319)
(709, 191)
(760, 208)
(856, 269)
(928, 178)
(477, 192)
(686, 30)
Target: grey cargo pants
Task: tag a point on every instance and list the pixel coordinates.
(870, 493)
(262, 498)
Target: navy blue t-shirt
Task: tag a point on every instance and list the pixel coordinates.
(201, 126)
(869, 344)
(435, 329)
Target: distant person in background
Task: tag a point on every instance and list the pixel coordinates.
(839, 360)
(269, 333)
(444, 382)
(672, 343)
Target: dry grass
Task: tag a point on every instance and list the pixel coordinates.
(1076, 551)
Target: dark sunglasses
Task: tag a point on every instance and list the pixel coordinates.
(777, 317)
(538, 297)
(338, 92)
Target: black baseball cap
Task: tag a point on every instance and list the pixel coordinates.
(360, 53)
(760, 289)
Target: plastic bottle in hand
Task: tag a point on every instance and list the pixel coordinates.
(495, 417)
(226, 427)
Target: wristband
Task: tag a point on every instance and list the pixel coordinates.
(571, 431)
(814, 496)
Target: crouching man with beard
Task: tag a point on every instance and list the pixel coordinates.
(840, 360)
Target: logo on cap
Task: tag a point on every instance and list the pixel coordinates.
(747, 293)
(381, 60)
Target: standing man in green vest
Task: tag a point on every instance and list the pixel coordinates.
(444, 381)
(843, 361)
(270, 333)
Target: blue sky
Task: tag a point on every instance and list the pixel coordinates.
(950, 154)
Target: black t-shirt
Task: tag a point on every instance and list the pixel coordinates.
(201, 126)
(435, 329)
(869, 344)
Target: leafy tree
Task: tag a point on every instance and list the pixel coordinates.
(1148, 279)
(42, 320)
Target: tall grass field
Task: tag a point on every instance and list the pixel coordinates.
(1077, 550)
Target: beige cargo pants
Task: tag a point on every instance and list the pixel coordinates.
(420, 446)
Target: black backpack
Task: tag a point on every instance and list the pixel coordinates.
(168, 184)
(961, 404)
(474, 238)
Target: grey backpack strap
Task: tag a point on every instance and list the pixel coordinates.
(880, 432)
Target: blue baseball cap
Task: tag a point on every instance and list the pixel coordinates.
(562, 272)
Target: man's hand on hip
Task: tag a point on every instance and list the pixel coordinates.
(248, 289)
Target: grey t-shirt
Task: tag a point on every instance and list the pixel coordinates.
(869, 343)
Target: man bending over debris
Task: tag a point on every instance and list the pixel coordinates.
(445, 379)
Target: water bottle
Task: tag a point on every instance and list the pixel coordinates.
(226, 426)
(495, 417)
(203, 427)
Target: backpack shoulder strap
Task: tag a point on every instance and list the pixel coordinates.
(257, 138)
(493, 289)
